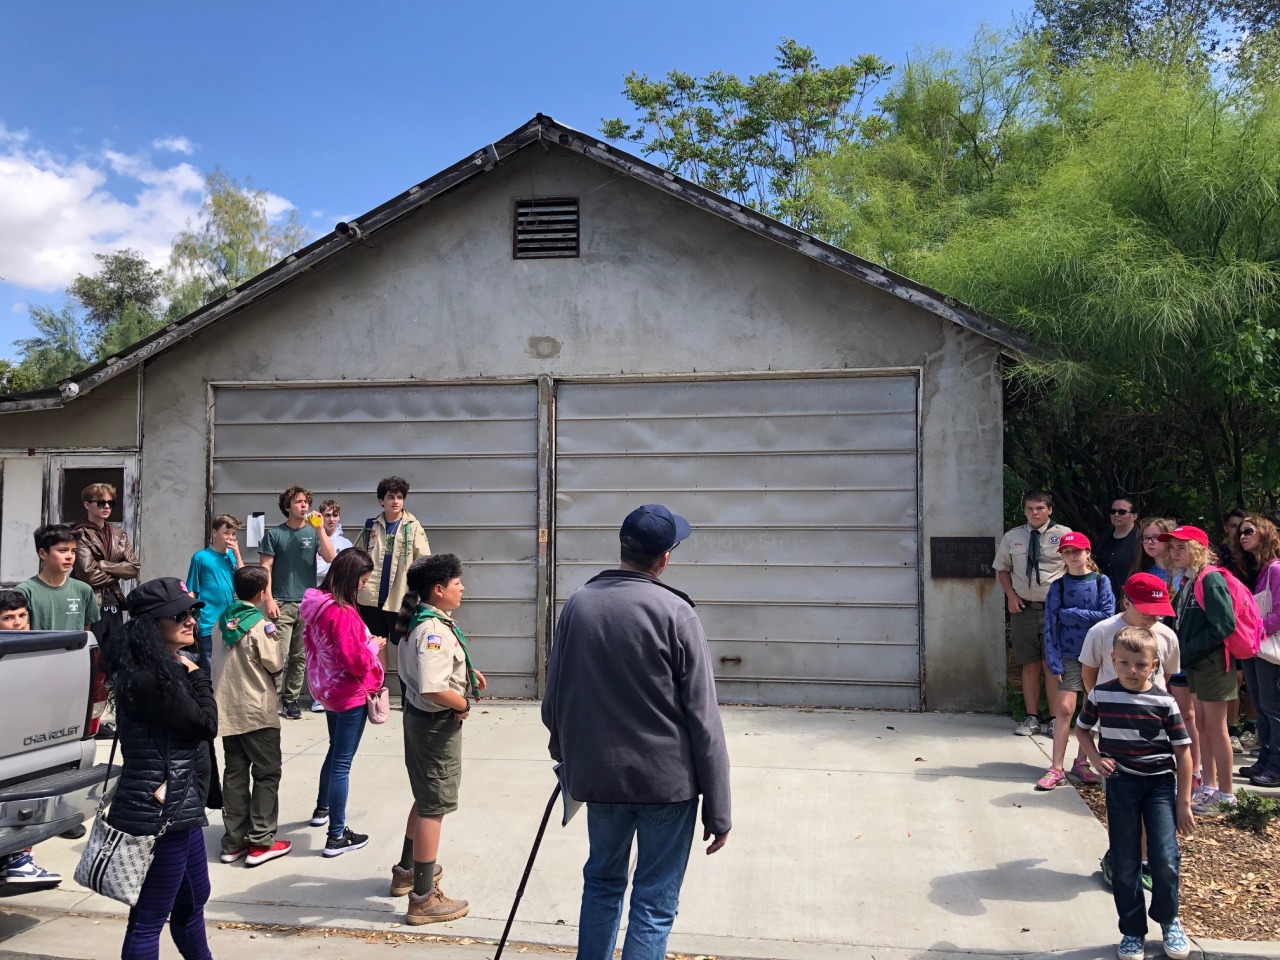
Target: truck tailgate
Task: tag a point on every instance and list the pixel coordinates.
(44, 683)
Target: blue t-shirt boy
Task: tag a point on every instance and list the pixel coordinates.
(209, 578)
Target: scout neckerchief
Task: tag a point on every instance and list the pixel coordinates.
(1033, 556)
(237, 620)
(425, 613)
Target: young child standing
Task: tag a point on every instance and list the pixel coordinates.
(21, 872)
(1078, 601)
(439, 683)
(247, 658)
(55, 600)
(209, 578)
(1145, 753)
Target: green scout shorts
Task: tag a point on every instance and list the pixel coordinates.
(1072, 681)
(1211, 681)
(433, 757)
(1026, 631)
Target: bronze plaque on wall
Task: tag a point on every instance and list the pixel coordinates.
(967, 558)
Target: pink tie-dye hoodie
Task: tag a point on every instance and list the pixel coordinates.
(342, 661)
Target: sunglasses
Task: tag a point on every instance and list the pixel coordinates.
(183, 617)
(1119, 513)
(104, 503)
(1246, 531)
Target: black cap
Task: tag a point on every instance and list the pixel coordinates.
(162, 597)
(653, 529)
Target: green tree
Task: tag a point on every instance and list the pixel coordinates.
(55, 352)
(234, 241)
(751, 139)
(125, 283)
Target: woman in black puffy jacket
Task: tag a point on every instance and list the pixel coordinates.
(167, 718)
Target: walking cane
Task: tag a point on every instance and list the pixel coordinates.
(528, 868)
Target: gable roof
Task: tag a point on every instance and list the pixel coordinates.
(540, 130)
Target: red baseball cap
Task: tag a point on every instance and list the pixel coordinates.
(1077, 540)
(1186, 533)
(1149, 594)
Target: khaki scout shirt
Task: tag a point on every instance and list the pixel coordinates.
(243, 681)
(1012, 557)
(432, 661)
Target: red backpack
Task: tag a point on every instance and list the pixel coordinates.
(1244, 641)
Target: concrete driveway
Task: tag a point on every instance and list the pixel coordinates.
(880, 835)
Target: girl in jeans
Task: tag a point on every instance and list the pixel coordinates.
(166, 718)
(342, 670)
(1257, 551)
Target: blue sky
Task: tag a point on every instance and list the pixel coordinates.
(110, 113)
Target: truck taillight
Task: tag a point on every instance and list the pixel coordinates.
(97, 694)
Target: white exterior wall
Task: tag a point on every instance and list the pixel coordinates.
(660, 289)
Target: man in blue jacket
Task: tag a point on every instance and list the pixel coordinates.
(631, 707)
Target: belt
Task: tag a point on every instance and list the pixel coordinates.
(1033, 603)
(425, 714)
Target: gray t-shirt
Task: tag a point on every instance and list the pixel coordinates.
(293, 569)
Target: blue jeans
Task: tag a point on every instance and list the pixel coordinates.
(664, 835)
(346, 727)
(1132, 803)
(175, 890)
(1263, 680)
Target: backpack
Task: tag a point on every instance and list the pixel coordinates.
(1243, 643)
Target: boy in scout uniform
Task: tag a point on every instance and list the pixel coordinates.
(439, 684)
(1026, 563)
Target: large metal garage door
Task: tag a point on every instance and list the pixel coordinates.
(469, 453)
(802, 496)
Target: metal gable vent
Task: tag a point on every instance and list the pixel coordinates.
(546, 228)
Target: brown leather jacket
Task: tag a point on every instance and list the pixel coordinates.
(103, 568)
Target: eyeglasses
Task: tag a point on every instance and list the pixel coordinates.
(104, 503)
(1155, 539)
(1246, 532)
(1119, 513)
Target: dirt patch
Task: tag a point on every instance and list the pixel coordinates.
(1230, 887)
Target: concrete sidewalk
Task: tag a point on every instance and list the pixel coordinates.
(855, 835)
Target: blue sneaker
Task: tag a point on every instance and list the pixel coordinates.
(1131, 948)
(22, 871)
(1176, 945)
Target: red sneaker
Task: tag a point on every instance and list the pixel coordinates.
(259, 855)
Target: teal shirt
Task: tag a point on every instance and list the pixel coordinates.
(293, 569)
(209, 578)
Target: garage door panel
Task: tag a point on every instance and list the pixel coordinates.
(801, 491)
(757, 545)
(859, 395)
(474, 543)
(489, 579)
(385, 403)
(337, 476)
(750, 434)
(761, 508)
(513, 653)
(680, 473)
(771, 660)
(356, 440)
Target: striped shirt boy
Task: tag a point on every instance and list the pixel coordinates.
(1136, 729)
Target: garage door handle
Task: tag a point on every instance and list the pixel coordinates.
(730, 659)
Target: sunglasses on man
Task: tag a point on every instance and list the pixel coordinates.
(1119, 513)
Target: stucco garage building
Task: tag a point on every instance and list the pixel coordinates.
(544, 336)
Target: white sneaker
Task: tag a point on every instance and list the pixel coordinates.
(1027, 727)
(317, 706)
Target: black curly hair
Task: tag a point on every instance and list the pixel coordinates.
(139, 650)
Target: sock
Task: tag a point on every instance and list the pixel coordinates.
(1233, 729)
(424, 875)
(406, 854)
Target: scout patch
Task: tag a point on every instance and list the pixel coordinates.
(433, 641)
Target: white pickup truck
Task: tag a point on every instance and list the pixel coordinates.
(52, 697)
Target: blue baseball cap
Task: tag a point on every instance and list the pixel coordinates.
(653, 529)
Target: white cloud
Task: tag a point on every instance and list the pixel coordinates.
(56, 213)
(174, 145)
(18, 307)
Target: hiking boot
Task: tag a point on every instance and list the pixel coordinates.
(1236, 745)
(231, 856)
(292, 710)
(1265, 779)
(350, 840)
(1047, 728)
(1249, 740)
(402, 879)
(259, 855)
(319, 817)
(1082, 773)
(435, 907)
(1176, 946)
(1248, 771)
(1054, 778)
(1131, 948)
(1029, 726)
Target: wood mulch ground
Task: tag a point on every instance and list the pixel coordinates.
(1230, 886)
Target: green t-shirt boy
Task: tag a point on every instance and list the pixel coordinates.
(293, 569)
(68, 607)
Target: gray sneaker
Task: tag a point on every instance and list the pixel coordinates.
(1028, 727)
(1047, 729)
